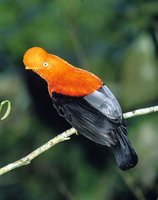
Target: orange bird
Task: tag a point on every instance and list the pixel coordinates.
(85, 102)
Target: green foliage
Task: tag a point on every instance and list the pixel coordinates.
(6, 114)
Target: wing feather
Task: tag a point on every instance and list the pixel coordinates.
(88, 120)
(105, 102)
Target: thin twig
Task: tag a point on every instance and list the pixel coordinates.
(61, 186)
(135, 189)
(27, 159)
(142, 111)
(62, 137)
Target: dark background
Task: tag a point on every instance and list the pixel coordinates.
(118, 41)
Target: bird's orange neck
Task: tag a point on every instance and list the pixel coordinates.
(62, 77)
(73, 81)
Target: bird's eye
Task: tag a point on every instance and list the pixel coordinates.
(45, 64)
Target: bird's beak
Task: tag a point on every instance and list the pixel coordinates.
(34, 68)
(27, 68)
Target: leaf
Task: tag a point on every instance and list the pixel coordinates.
(8, 108)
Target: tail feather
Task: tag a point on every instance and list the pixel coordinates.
(125, 155)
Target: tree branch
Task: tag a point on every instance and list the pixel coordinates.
(142, 111)
(62, 137)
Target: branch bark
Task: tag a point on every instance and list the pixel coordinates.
(142, 111)
(62, 137)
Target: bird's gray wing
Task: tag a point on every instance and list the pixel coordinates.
(106, 103)
(85, 118)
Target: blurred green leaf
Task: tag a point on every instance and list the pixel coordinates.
(7, 112)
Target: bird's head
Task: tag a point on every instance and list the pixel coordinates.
(35, 59)
(43, 63)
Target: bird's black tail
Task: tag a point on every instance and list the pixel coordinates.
(125, 155)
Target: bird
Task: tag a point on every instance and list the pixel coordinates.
(85, 102)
